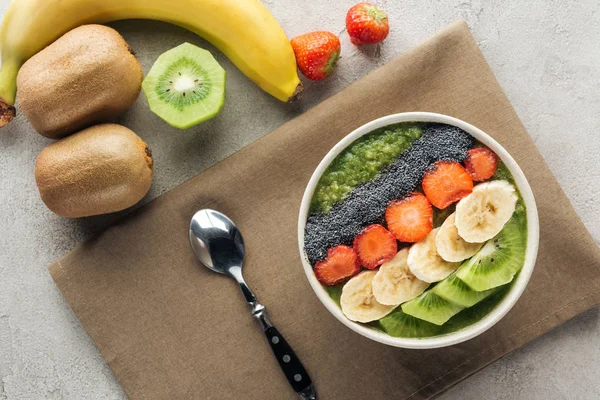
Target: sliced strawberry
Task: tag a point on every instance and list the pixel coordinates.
(447, 183)
(375, 245)
(341, 263)
(481, 163)
(410, 219)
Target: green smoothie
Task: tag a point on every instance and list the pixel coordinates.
(361, 162)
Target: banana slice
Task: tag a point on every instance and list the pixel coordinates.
(357, 301)
(425, 262)
(450, 246)
(394, 283)
(481, 215)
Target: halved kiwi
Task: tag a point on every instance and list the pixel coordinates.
(431, 308)
(185, 86)
(499, 259)
(456, 291)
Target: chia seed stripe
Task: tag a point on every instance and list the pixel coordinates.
(367, 202)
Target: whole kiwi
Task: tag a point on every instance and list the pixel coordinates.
(102, 169)
(88, 75)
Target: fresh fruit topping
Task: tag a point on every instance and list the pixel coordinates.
(446, 183)
(394, 283)
(399, 324)
(185, 86)
(458, 292)
(498, 260)
(341, 263)
(374, 245)
(358, 302)
(483, 213)
(316, 53)
(481, 163)
(431, 308)
(450, 246)
(425, 262)
(367, 24)
(410, 219)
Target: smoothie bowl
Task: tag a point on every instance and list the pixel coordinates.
(418, 230)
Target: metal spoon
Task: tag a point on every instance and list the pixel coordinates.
(218, 244)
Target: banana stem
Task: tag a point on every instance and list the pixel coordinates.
(7, 113)
(297, 93)
(8, 91)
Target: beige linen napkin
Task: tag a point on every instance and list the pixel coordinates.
(170, 329)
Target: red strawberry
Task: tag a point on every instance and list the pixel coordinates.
(481, 163)
(410, 219)
(375, 245)
(316, 53)
(446, 183)
(366, 24)
(341, 263)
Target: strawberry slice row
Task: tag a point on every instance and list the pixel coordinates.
(410, 219)
(448, 182)
(373, 246)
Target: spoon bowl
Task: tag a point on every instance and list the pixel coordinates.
(216, 241)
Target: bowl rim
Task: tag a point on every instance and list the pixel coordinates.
(511, 297)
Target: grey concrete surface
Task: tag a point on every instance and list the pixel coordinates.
(546, 55)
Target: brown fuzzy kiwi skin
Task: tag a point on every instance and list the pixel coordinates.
(100, 170)
(89, 75)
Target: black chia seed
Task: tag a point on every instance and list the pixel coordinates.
(367, 202)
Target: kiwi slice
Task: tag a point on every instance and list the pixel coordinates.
(470, 315)
(499, 259)
(431, 308)
(458, 292)
(400, 324)
(185, 86)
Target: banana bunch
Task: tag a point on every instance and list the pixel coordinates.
(244, 30)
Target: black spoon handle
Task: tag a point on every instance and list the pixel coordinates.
(290, 363)
(286, 357)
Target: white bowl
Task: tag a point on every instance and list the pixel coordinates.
(515, 291)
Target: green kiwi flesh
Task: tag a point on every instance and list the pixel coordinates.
(458, 292)
(431, 308)
(400, 324)
(499, 259)
(185, 86)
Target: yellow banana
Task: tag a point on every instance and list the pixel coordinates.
(244, 30)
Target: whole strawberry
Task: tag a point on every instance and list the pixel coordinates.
(366, 24)
(316, 53)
